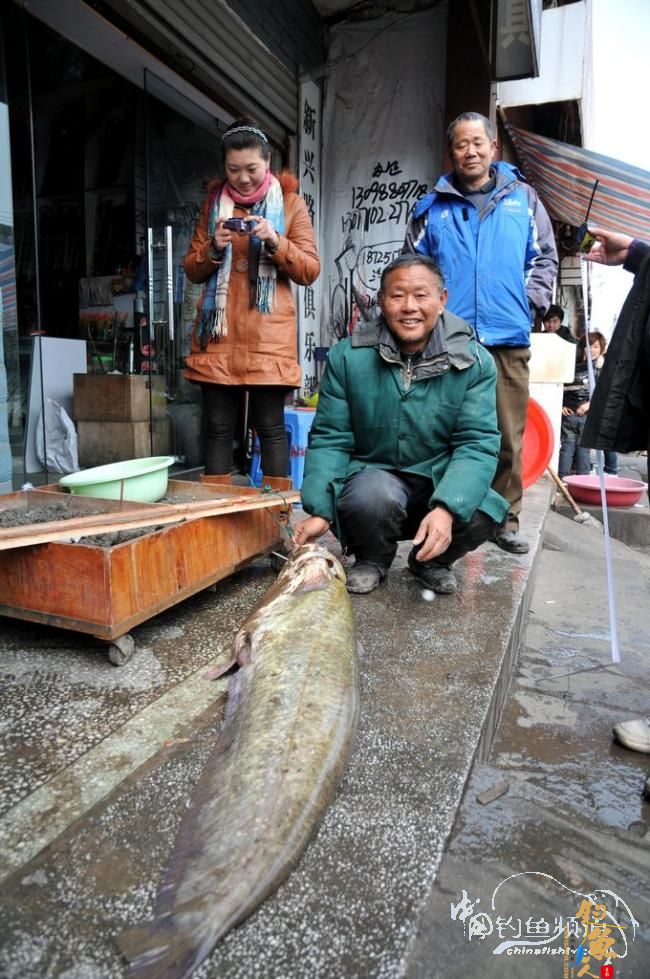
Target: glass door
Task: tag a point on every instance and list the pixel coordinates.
(11, 424)
(182, 155)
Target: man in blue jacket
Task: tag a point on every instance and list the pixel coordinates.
(493, 240)
(404, 443)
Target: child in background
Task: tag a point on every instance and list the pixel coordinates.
(575, 405)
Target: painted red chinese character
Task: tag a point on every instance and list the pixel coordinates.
(607, 972)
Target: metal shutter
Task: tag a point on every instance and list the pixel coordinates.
(217, 48)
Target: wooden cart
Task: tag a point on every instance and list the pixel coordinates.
(107, 590)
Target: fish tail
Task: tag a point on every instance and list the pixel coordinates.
(156, 952)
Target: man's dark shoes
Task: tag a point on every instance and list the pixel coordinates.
(437, 577)
(509, 540)
(364, 577)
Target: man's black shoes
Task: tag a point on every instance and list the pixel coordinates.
(509, 540)
(437, 577)
(363, 577)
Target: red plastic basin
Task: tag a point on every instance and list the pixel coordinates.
(537, 444)
(618, 491)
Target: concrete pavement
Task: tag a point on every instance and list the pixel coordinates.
(572, 819)
(98, 766)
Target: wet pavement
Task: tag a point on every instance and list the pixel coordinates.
(98, 765)
(571, 819)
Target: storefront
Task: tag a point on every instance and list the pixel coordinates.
(109, 160)
(113, 110)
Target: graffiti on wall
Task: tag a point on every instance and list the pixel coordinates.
(379, 210)
(383, 141)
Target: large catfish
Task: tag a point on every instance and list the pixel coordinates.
(289, 726)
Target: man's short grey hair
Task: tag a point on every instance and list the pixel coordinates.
(406, 260)
(469, 117)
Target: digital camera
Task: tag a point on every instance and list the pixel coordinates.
(236, 224)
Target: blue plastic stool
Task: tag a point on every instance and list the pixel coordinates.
(297, 422)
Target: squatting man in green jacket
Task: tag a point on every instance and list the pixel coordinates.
(405, 443)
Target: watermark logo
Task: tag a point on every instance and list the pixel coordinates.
(588, 940)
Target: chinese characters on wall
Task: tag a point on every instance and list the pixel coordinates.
(309, 297)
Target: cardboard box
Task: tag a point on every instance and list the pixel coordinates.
(106, 441)
(118, 397)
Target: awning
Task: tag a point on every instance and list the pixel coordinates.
(564, 176)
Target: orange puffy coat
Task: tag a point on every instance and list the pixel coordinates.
(258, 348)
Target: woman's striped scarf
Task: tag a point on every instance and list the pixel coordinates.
(212, 322)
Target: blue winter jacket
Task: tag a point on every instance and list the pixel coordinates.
(498, 267)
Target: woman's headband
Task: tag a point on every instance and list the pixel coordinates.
(245, 129)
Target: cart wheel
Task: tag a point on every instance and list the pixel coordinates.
(121, 650)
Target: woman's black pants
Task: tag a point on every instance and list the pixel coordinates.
(265, 414)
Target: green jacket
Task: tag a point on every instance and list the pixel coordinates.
(436, 417)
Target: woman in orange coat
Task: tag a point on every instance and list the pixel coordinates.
(245, 336)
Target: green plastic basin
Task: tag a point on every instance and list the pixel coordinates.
(143, 480)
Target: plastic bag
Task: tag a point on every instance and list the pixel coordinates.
(56, 431)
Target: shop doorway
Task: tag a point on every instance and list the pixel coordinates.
(183, 155)
(107, 181)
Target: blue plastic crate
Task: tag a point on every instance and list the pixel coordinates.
(298, 422)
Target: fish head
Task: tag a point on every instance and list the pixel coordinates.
(309, 567)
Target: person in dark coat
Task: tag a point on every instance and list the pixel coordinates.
(619, 414)
(574, 457)
(553, 324)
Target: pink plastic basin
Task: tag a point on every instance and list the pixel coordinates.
(618, 491)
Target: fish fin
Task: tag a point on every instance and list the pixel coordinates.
(241, 648)
(188, 839)
(216, 672)
(237, 686)
(159, 950)
(132, 941)
(241, 656)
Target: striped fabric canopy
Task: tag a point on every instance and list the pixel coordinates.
(564, 177)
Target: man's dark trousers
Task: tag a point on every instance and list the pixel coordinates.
(378, 507)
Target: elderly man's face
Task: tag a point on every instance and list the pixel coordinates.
(553, 324)
(412, 301)
(472, 153)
